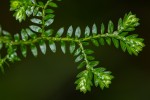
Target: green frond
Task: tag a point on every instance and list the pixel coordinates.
(39, 34)
(23, 8)
(102, 78)
(84, 82)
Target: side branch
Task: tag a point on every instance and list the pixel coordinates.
(85, 55)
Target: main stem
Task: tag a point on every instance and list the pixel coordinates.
(57, 39)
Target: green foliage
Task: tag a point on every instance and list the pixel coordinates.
(84, 82)
(39, 34)
(102, 78)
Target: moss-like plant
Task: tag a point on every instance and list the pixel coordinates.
(41, 34)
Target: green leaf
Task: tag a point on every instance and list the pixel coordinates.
(93, 63)
(39, 14)
(24, 50)
(13, 57)
(2, 69)
(52, 46)
(49, 22)
(102, 28)
(130, 29)
(63, 47)
(95, 42)
(43, 46)
(87, 32)
(116, 42)
(33, 1)
(79, 58)
(0, 30)
(72, 47)
(123, 46)
(29, 11)
(78, 32)
(24, 35)
(134, 51)
(1, 45)
(82, 64)
(49, 11)
(94, 29)
(49, 16)
(141, 40)
(30, 33)
(129, 49)
(102, 78)
(110, 27)
(48, 32)
(77, 52)
(35, 28)
(52, 4)
(108, 40)
(90, 58)
(123, 34)
(35, 11)
(133, 36)
(84, 82)
(85, 43)
(60, 32)
(125, 17)
(34, 50)
(120, 24)
(88, 51)
(36, 21)
(17, 37)
(6, 33)
(41, 4)
(102, 41)
(98, 82)
(70, 31)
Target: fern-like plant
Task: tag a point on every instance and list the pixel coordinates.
(41, 34)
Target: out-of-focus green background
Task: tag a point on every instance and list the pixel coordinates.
(51, 77)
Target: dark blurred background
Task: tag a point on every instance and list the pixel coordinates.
(52, 76)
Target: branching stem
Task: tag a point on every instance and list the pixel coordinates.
(65, 39)
(40, 33)
(85, 56)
